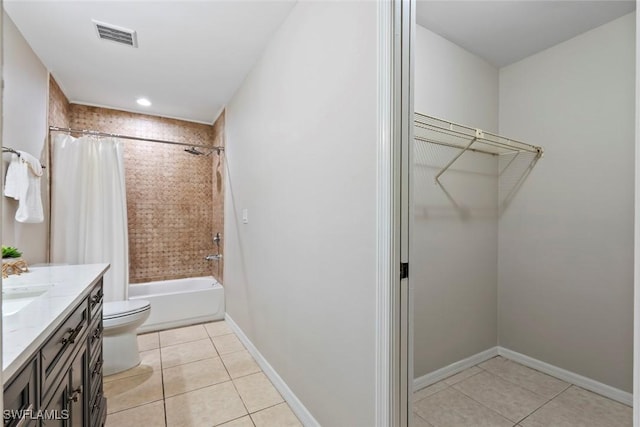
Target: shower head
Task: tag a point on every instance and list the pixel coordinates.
(194, 151)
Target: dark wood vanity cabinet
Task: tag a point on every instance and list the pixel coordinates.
(62, 383)
(22, 396)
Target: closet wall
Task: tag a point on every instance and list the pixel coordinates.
(566, 238)
(455, 231)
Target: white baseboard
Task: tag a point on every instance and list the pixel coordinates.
(568, 376)
(454, 368)
(295, 404)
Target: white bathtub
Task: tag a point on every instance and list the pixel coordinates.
(180, 302)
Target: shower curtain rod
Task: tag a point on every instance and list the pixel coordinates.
(137, 138)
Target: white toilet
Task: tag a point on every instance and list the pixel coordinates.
(120, 320)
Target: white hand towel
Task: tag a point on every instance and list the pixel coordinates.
(23, 184)
(12, 181)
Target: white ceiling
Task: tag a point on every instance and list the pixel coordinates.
(503, 32)
(192, 55)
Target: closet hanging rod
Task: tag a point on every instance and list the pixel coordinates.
(17, 153)
(136, 138)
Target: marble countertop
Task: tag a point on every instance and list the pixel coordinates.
(26, 330)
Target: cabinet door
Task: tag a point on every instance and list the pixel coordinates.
(68, 405)
(20, 397)
(79, 391)
(58, 405)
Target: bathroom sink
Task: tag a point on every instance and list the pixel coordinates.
(15, 299)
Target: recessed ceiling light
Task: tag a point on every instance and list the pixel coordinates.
(144, 102)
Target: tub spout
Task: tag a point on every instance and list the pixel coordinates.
(217, 257)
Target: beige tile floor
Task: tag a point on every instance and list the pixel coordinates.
(199, 376)
(500, 392)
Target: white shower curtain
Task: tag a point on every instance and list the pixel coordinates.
(89, 208)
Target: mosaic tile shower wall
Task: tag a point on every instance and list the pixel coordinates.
(59, 108)
(173, 206)
(218, 193)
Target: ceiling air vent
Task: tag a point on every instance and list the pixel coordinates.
(116, 34)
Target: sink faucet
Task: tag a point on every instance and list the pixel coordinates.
(217, 257)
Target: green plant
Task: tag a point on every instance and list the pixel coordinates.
(10, 252)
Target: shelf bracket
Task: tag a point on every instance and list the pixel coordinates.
(478, 135)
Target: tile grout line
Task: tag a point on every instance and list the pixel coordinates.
(569, 385)
(164, 397)
(523, 387)
(232, 420)
(503, 416)
(230, 379)
(545, 403)
(234, 384)
(134, 407)
(197, 360)
(481, 404)
(464, 379)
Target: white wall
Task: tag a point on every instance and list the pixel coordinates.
(454, 236)
(566, 238)
(301, 157)
(25, 101)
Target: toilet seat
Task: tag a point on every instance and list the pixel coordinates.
(116, 309)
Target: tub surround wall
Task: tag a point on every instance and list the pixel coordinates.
(217, 267)
(141, 125)
(25, 99)
(59, 107)
(173, 205)
(169, 192)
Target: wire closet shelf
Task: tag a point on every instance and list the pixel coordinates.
(442, 132)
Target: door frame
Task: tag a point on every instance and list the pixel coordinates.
(396, 30)
(636, 255)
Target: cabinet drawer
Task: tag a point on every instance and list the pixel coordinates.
(22, 395)
(95, 300)
(95, 335)
(56, 351)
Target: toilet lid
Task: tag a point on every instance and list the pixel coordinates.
(114, 309)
